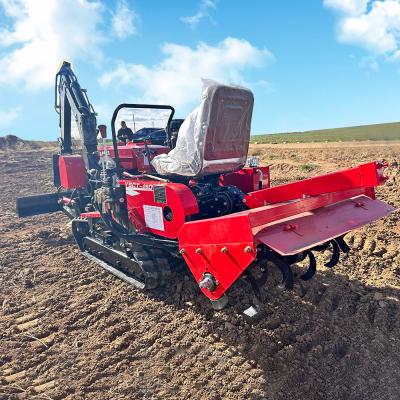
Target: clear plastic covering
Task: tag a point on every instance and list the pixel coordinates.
(214, 138)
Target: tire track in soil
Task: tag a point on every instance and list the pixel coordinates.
(30, 333)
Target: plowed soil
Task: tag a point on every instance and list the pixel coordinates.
(69, 330)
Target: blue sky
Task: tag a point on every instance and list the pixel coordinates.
(311, 64)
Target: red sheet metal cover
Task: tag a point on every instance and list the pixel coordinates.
(304, 231)
(72, 171)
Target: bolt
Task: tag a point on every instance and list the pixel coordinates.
(182, 251)
(290, 227)
(208, 282)
(199, 250)
(248, 249)
(224, 250)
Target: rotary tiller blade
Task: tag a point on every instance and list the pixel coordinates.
(312, 267)
(342, 244)
(335, 255)
(286, 271)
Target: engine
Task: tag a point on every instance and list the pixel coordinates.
(215, 201)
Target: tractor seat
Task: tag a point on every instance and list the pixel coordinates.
(214, 138)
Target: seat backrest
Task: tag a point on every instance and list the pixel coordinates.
(214, 138)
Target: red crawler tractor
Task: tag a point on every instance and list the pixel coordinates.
(137, 209)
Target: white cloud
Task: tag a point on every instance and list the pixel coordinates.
(40, 35)
(176, 79)
(43, 35)
(373, 25)
(7, 117)
(124, 20)
(203, 12)
(351, 7)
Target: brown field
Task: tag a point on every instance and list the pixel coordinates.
(68, 330)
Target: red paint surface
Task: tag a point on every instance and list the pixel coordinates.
(72, 171)
(179, 198)
(132, 157)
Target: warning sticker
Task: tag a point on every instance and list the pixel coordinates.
(153, 217)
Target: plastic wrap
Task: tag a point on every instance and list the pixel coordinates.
(214, 138)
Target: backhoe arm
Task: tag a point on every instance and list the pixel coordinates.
(71, 101)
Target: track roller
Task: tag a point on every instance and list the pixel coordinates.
(155, 270)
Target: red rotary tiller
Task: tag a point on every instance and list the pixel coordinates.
(138, 208)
